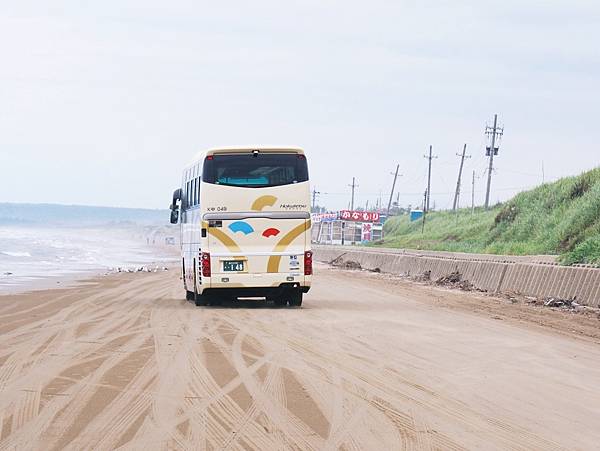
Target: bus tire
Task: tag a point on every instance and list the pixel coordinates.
(214, 300)
(200, 300)
(280, 302)
(296, 299)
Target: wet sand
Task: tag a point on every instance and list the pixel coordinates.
(123, 361)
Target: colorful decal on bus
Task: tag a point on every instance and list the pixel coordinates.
(262, 202)
(241, 226)
(270, 232)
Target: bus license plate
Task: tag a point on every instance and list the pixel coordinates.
(233, 265)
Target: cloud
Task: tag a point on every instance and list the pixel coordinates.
(129, 91)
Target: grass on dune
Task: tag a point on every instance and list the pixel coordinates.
(560, 218)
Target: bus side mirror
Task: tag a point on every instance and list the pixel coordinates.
(174, 207)
(174, 216)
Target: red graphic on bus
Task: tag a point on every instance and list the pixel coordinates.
(270, 232)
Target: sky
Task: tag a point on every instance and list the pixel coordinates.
(103, 103)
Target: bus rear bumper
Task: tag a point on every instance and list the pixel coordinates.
(255, 292)
(243, 280)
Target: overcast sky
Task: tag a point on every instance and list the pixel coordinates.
(103, 103)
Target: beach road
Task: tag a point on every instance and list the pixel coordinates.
(123, 361)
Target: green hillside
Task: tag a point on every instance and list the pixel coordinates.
(556, 218)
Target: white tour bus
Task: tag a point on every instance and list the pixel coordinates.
(245, 225)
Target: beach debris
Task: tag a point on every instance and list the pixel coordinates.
(337, 260)
(348, 264)
(425, 277)
(552, 302)
(136, 269)
(455, 280)
(566, 304)
(351, 264)
(451, 278)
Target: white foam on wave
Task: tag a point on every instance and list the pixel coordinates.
(16, 254)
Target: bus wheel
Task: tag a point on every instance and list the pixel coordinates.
(214, 300)
(200, 300)
(296, 298)
(280, 302)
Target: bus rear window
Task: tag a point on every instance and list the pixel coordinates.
(255, 170)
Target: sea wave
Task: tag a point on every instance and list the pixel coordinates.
(16, 254)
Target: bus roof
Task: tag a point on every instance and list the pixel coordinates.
(236, 149)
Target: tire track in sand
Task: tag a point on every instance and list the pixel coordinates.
(128, 363)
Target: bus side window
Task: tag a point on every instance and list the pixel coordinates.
(187, 195)
(197, 191)
(194, 191)
(192, 188)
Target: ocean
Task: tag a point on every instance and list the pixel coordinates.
(32, 254)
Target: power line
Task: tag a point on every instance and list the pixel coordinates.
(437, 193)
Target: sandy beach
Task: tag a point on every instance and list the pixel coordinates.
(124, 362)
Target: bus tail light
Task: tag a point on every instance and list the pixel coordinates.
(206, 264)
(308, 256)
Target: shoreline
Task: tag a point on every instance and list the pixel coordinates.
(55, 256)
(76, 279)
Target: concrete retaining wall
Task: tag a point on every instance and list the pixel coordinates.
(530, 279)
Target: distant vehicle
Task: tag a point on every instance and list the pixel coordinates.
(245, 225)
(170, 240)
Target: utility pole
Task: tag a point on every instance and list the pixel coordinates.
(424, 210)
(491, 152)
(428, 198)
(473, 195)
(543, 173)
(462, 163)
(354, 186)
(393, 186)
(314, 198)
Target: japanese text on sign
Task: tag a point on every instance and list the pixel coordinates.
(359, 216)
